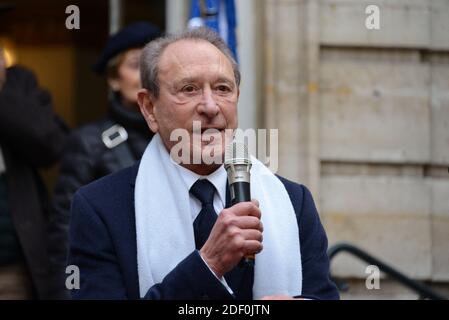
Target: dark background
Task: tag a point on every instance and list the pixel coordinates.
(35, 34)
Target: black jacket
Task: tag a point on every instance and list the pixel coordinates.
(31, 137)
(103, 245)
(86, 158)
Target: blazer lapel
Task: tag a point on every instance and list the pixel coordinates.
(129, 253)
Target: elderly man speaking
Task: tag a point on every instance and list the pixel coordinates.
(165, 229)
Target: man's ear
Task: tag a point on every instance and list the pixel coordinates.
(145, 101)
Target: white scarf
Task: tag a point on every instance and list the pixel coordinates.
(164, 226)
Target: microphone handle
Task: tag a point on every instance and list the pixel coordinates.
(241, 192)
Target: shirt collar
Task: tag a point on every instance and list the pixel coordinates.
(218, 178)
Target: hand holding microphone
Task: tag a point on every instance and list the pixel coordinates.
(237, 233)
(238, 166)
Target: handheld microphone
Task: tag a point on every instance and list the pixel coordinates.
(238, 165)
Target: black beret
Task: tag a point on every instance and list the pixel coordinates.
(134, 35)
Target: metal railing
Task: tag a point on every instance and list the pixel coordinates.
(424, 291)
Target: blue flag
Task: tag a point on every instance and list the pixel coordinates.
(220, 16)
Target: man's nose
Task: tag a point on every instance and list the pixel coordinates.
(208, 106)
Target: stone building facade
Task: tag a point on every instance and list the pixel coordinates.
(363, 119)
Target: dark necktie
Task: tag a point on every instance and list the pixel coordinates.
(241, 277)
(204, 191)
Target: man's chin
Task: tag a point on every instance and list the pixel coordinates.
(211, 152)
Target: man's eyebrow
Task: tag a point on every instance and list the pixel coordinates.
(186, 80)
(197, 79)
(226, 80)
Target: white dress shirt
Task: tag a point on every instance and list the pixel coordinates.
(219, 179)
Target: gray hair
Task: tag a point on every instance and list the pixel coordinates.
(152, 53)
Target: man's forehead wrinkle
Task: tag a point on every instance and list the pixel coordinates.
(182, 64)
(170, 58)
(222, 64)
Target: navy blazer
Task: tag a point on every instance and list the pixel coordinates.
(103, 246)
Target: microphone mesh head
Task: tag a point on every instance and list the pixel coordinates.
(237, 153)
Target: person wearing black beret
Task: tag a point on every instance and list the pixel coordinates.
(115, 142)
